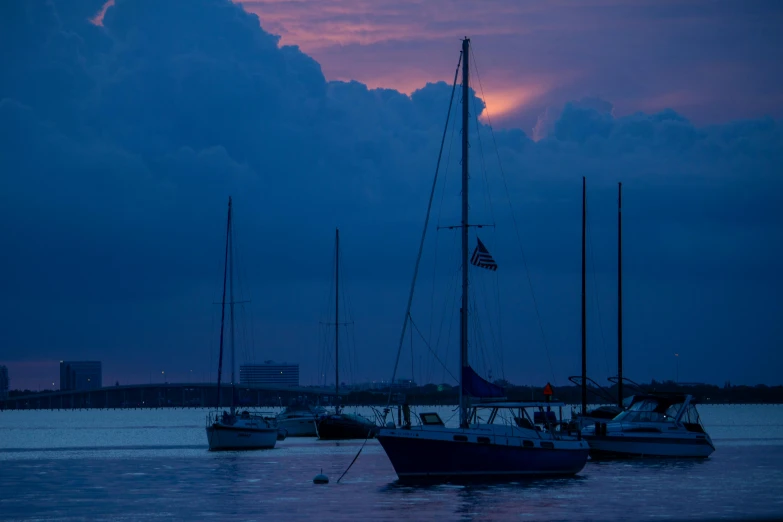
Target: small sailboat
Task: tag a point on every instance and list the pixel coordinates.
(232, 430)
(481, 447)
(340, 425)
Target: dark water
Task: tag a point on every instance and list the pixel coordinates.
(140, 465)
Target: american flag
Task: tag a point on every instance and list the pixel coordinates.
(482, 258)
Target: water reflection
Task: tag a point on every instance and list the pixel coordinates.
(647, 464)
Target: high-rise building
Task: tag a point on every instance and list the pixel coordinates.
(269, 373)
(4, 382)
(80, 375)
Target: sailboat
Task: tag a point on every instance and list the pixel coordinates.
(231, 430)
(480, 448)
(608, 411)
(341, 425)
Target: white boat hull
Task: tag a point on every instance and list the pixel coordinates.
(298, 427)
(240, 436)
(628, 445)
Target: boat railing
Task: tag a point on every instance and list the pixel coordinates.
(639, 388)
(596, 389)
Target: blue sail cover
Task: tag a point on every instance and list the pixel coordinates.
(475, 386)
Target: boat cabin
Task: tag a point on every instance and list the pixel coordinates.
(673, 408)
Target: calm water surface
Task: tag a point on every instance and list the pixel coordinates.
(154, 464)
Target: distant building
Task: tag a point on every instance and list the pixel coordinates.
(269, 374)
(4, 383)
(80, 375)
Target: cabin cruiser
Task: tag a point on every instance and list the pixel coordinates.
(299, 420)
(654, 425)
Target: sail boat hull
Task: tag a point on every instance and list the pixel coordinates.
(427, 455)
(345, 426)
(240, 436)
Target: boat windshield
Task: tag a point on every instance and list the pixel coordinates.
(649, 410)
(691, 420)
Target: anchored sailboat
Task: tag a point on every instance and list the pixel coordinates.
(479, 450)
(340, 425)
(231, 430)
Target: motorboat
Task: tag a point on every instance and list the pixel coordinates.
(654, 425)
(299, 420)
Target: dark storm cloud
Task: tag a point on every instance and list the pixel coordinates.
(121, 143)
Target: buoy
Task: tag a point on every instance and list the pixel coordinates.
(321, 478)
(390, 425)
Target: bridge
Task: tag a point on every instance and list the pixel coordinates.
(169, 395)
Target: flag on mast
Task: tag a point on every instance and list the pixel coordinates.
(482, 258)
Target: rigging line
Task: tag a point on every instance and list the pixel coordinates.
(489, 320)
(449, 290)
(500, 328)
(479, 337)
(516, 228)
(323, 355)
(253, 336)
(242, 316)
(440, 212)
(350, 338)
(412, 379)
(239, 317)
(450, 300)
(487, 197)
(595, 296)
(496, 343)
(430, 348)
(455, 300)
(424, 232)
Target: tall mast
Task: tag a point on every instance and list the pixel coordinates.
(337, 319)
(620, 294)
(231, 312)
(223, 303)
(584, 304)
(463, 352)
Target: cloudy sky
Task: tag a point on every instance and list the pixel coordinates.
(125, 127)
